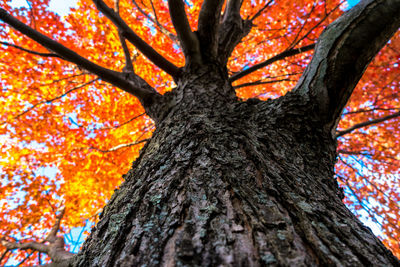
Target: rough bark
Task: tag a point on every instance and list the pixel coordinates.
(188, 39)
(343, 52)
(207, 28)
(224, 182)
(232, 29)
(230, 183)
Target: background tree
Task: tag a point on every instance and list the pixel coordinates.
(62, 111)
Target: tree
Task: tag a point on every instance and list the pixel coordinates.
(221, 180)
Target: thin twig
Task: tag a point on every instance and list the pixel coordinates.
(260, 82)
(159, 27)
(283, 55)
(366, 208)
(32, 15)
(55, 98)
(369, 110)
(80, 235)
(128, 60)
(120, 146)
(138, 42)
(31, 51)
(316, 25)
(115, 78)
(367, 123)
(4, 254)
(261, 10)
(122, 124)
(27, 257)
(369, 182)
(302, 26)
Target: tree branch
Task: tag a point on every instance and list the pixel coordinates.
(261, 10)
(120, 146)
(315, 26)
(4, 254)
(24, 246)
(160, 27)
(342, 54)
(188, 39)
(31, 51)
(283, 55)
(133, 38)
(382, 203)
(32, 15)
(260, 82)
(27, 256)
(128, 60)
(55, 249)
(120, 125)
(51, 100)
(64, 263)
(362, 153)
(51, 237)
(131, 83)
(115, 78)
(208, 26)
(232, 29)
(366, 208)
(367, 123)
(232, 9)
(369, 110)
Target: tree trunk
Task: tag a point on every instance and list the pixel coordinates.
(225, 182)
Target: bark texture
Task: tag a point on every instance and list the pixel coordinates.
(229, 183)
(225, 182)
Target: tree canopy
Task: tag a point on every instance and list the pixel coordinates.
(68, 132)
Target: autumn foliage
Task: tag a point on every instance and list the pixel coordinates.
(67, 137)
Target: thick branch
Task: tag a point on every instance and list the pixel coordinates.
(283, 55)
(132, 37)
(232, 30)
(55, 247)
(128, 60)
(113, 77)
(53, 250)
(367, 123)
(128, 82)
(51, 237)
(232, 9)
(343, 52)
(188, 39)
(208, 26)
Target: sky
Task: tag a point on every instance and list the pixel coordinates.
(352, 2)
(61, 7)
